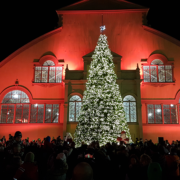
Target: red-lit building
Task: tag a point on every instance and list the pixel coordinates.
(42, 83)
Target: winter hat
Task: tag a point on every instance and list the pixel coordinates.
(48, 138)
(154, 171)
(61, 156)
(29, 157)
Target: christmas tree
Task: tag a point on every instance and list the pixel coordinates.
(102, 115)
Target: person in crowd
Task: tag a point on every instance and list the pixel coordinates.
(82, 171)
(145, 160)
(134, 167)
(68, 138)
(59, 170)
(173, 162)
(28, 170)
(58, 159)
(154, 171)
(17, 140)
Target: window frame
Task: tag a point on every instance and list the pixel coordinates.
(129, 107)
(48, 72)
(162, 113)
(75, 107)
(157, 73)
(165, 61)
(30, 103)
(40, 62)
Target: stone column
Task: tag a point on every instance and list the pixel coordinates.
(139, 113)
(65, 119)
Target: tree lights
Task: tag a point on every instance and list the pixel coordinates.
(102, 116)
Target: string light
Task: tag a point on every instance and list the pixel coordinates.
(102, 116)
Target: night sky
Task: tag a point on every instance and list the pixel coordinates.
(23, 21)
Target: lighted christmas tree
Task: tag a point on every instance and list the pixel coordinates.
(102, 116)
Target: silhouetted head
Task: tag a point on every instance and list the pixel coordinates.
(82, 171)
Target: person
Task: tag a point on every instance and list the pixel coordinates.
(172, 166)
(145, 160)
(17, 140)
(59, 169)
(154, 171)
(69, 138)
(82, 171)
(123, 138)
(28, 170)
(134, 167)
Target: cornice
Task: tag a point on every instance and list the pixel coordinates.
(101, 11)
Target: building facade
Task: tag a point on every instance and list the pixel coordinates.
(42, 83)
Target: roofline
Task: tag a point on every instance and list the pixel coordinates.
(161, 34)
(100, 11)
(28, 45)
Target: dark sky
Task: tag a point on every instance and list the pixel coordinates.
(23, 21)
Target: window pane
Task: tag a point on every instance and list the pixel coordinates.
(75, 98)
(74, 108)
(52, 75)
(170, 114)
(22, 113)
(7, 113)
(168, 70)
(40, 113)
(55, 117)
(25, 113)
(44, 74)
(161, 73)
(154, 113)
(133, 112)
(150, 110)
(48, 113)
(158, 114)
(129, 98)
(37, 74)
(33, 113)
(153, 74)
(146, 73)
(173, 116)
(78, 108)
(58, 74)
(37, 113)
(166, 116)
(156, 62)
(15, 96)
(71, 111)
(126, 109)
(49, 63)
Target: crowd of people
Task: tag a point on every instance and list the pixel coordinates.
(58, 159)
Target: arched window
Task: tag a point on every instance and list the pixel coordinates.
(129, 103)
(48, 73)
(74, 108)
(49, 63)
(157, 72)
(15, 103)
